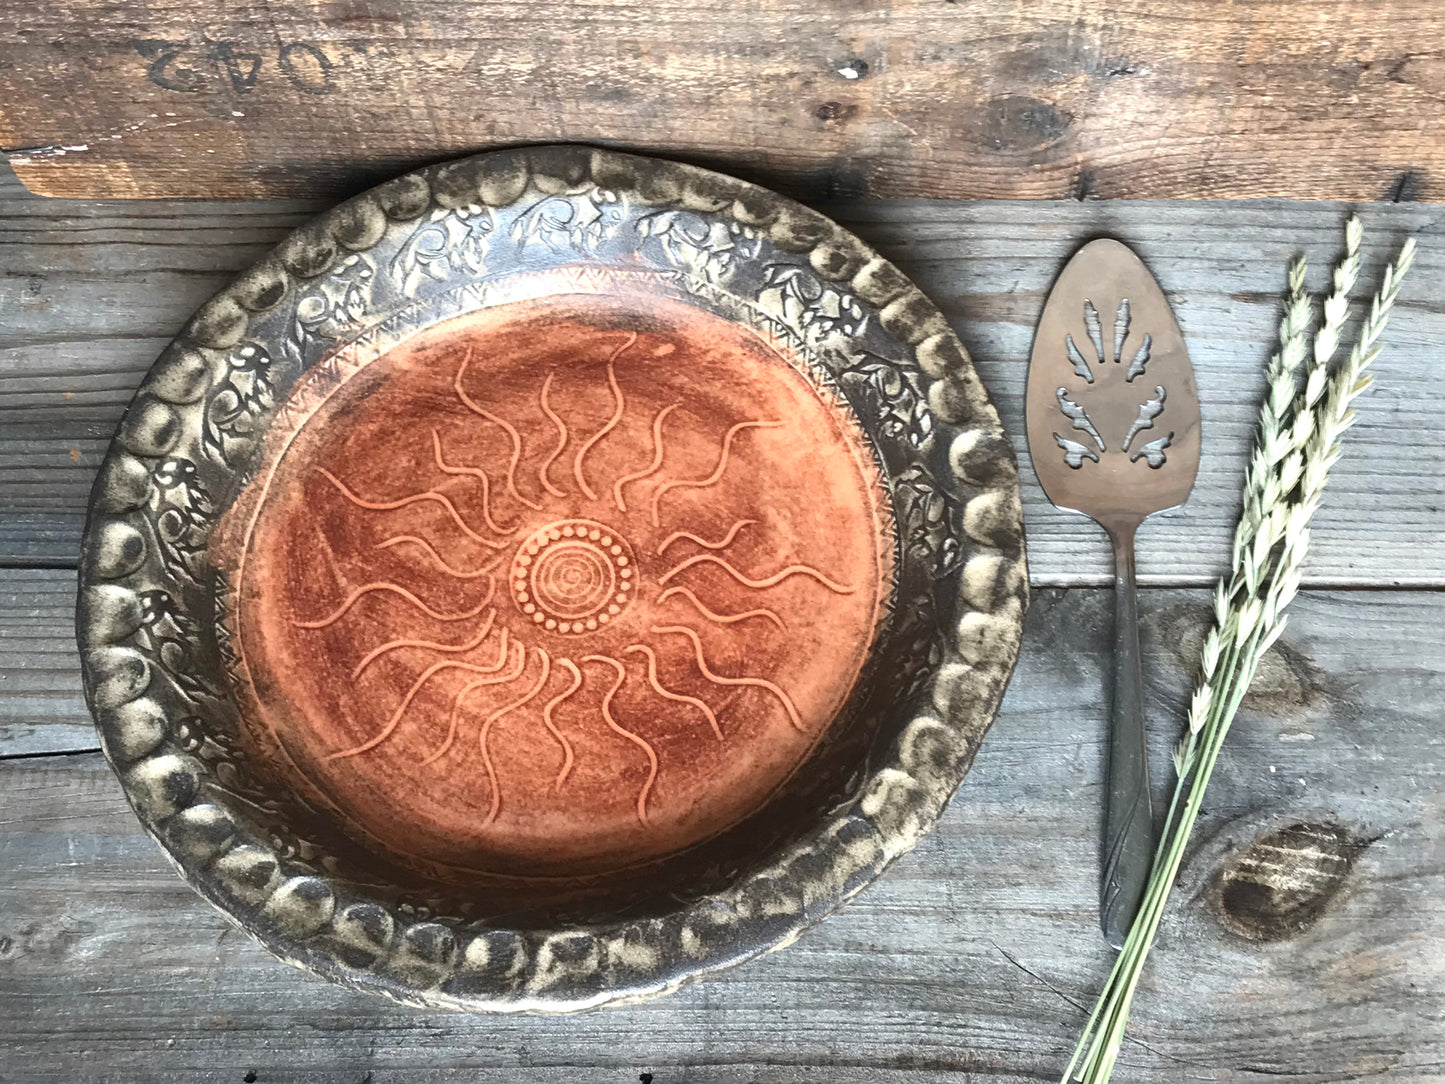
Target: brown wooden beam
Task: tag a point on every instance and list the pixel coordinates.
(961, 98)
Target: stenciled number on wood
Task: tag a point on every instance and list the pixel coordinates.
(189, 67)
(1075, 452)
(569, 576)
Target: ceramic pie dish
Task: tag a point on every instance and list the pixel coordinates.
(548, 578)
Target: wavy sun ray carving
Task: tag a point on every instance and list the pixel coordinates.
(572, 572)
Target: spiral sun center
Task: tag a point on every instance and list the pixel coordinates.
(573, 575)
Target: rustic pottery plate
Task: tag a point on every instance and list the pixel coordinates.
(550, 577)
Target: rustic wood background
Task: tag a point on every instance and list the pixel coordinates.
(1307, 939)
(954, 98)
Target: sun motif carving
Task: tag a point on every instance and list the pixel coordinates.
(574, 571)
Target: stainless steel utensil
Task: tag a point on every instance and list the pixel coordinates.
(1113, 429)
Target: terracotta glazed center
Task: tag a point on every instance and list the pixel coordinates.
(555, 587)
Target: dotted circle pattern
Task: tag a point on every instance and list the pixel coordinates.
(573, 576)
(419, 957)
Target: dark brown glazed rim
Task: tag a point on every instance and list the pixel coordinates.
(957, 609)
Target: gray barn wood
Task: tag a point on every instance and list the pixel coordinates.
(91, 292)
(1308, 935)
(42, 709)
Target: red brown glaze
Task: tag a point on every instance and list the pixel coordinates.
(556, 587)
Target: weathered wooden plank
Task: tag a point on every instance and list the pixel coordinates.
(969, 961)
(89, 292)
(969, 98)
(42, 708)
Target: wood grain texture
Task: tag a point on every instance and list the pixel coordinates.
(42, 708)
(1317, 954)
(90, 292)
(963, 98)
